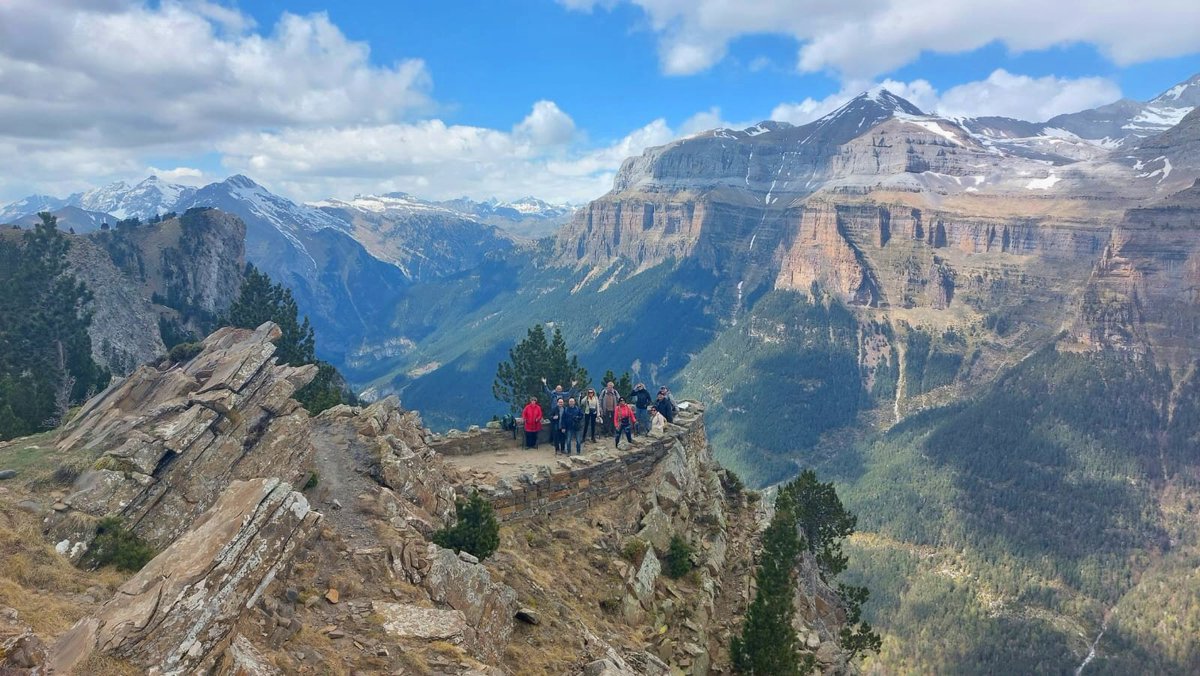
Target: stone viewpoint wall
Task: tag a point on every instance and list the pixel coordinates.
(583, 480)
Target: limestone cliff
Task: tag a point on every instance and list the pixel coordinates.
(1144, 293)
(915, 220)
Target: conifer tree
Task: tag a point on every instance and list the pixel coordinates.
(260, 301)
(475, 529)
(809, 518)
(529, 361)
(822, 519)
(46, 362)
(768, 643)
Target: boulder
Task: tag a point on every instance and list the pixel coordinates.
(641, 586)
(175, 614)
(488, 606)
(429, 624)
(7, 474)
(656, 529)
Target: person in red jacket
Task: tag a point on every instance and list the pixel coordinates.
(623, 419)
(532, 415)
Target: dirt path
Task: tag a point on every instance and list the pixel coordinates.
(340, 482)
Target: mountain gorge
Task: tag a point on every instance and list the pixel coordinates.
(983, 330)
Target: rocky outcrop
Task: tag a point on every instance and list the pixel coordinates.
(169, 441)
(388, 444)
(175, 615)
(487, 606)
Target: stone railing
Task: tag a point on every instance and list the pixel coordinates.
(575, 484)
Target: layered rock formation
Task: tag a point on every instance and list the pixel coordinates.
(1144, 294)
(169, 441)
(176, 614)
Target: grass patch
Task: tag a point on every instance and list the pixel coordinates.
(33, 576)
(633, 550)
(117, 546)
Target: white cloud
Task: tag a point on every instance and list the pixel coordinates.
(863, 38)
(106, 81)
(184, 175)
(437, 160)
(1027, 98)
(1002, 93)
(547, 125)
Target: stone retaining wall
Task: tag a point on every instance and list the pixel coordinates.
(587, 481)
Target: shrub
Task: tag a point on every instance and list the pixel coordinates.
(634, 550)
(184, 352)
(475, 531)
(69, 470)
(679, 558)
(116, 545)
(732, 483)
(312, 481)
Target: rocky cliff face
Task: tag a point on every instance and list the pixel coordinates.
(187, 268)
(918, 220)
(201, 461)
(1144, 293)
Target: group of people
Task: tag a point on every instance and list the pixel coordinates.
(573, 415)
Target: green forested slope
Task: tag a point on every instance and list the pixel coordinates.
(1004, 530)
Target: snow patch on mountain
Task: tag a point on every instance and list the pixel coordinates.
(1045, 183)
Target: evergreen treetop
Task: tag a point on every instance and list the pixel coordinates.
(529, 361)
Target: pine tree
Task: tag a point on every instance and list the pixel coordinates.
(822, 519)
(809, 518)
(475, 529)
(46, 360)
(768, 643)
(260, 301)
(529, 361)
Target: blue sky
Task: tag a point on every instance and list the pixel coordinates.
(318, 99)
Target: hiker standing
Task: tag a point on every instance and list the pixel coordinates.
(556, 434)
(608, 405)
(623, 420)
(532, 415)
(642, 402)
(591, 409)
(665, 406)
(572, 427)
(558, 393)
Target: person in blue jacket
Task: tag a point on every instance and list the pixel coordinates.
(572, 427)
(554, 395)
(642, 403)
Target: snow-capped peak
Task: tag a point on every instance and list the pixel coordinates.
(150, 197)
(1186, 94)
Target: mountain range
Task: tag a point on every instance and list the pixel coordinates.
(983, 329)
